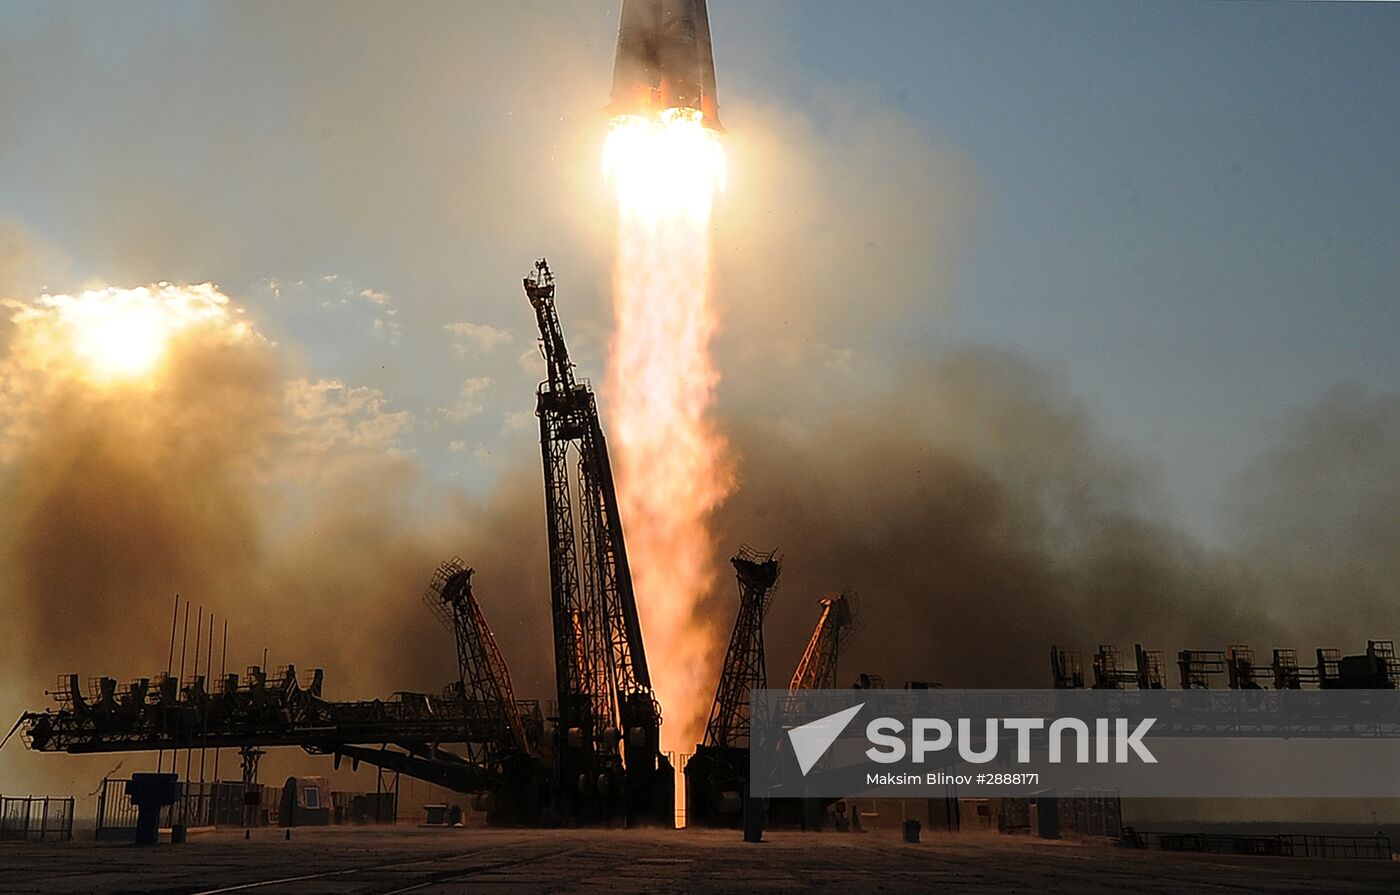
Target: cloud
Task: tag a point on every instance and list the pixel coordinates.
(107, 340)
(326, 414)
(256, 494)
(469, 404)
(1314, 518)
(374, 309)
(994, 521)
(531, 361)
(519, 421)
(479, 336)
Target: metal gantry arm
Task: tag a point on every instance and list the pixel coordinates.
(609, 720)
(817, 668)
(717, 774)
(483, 685)
(745, 667)
(249, 713)
(539, 287)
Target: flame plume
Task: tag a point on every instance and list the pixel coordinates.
(669, 458)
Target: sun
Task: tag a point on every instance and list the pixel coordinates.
(114, 336)
(119, 341)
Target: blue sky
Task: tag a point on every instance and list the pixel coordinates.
(1192, 208)
(1191, 211)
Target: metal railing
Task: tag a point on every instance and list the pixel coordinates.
(199, 805)
(35, 819)
(225, 805)
(1293, 845)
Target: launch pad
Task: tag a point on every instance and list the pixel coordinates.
(435, 862)
(595, 759)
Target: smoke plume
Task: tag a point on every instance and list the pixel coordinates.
(277, 503)
(964, 492)
(976, 528)
(993, 519)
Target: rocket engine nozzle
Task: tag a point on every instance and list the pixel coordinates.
(664, 60)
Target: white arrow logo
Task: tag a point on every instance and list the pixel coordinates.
(811, 740)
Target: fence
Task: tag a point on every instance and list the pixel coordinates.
(199, 805)
(1293, 845)
(1083, 812)
(35, 819)
(223, 805)
(1092, 813)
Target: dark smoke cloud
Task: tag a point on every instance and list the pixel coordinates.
(202, 486)
(991, 517)
(112, 508)
(1316, 520)
(979, 523)
(277, 503)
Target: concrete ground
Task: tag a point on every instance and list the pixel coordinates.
(441, 861)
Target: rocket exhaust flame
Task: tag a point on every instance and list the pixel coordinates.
(671, 467)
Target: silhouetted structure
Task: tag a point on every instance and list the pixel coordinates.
(716, 776)
(501, 762)
(1066, 669)
(1378, 668)
(600, 667)
(483, 680)
(601, 761)
(1111, 674)
(817, 668)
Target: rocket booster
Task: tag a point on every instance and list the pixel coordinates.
(664, 60)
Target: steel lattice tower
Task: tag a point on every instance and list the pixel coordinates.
(716, 776)
(817, 668)
(604, 689)
(492, 724)
(745, 668)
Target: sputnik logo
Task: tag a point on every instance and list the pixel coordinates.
(811, 740)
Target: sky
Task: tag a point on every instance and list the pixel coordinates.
(1102, 294)
(1189, 210)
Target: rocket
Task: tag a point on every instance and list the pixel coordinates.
(664, 60)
